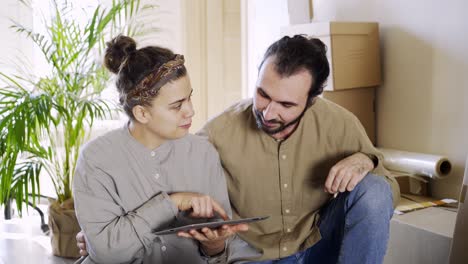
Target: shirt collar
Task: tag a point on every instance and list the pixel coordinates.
(159, 153)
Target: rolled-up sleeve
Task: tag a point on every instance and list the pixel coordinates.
(114, 235)
(358, 141)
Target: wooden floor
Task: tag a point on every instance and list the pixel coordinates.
(22, 242)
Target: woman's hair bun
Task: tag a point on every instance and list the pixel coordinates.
(118, 49)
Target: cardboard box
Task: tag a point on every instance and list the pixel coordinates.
(421, 237)
(411, 184)
(459, 252)
(353, 51)
(360, 102)
(410, 202)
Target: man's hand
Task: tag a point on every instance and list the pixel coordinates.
(347, 173)
(202, 206)
(212, 240)
(81, 243)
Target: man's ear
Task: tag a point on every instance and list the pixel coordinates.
(141, 114)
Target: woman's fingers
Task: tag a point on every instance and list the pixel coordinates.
(196, 208)
(81, 243)
(239, 228)
(209, 207)
(202, 205)
(197, 235)
(194, 234)
(184, 234)
(219, 209)
(210, 234)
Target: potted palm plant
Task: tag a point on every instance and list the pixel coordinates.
(44, 120)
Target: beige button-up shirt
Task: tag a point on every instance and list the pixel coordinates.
(285, 179)
(121, 197)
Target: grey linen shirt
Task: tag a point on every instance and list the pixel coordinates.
(121, 197)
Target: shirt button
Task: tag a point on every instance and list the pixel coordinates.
(285, 249)
(157, 176)
(153, 153)
(163, 248)
(283, 156)
(288, 230)
(285, 185)
(287, 211)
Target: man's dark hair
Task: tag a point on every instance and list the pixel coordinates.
(298, 53)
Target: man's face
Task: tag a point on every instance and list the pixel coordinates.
(280, 101)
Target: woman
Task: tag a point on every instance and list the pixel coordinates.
(151, 174)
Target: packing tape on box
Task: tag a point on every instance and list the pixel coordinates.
(432, 166)
(408, 204)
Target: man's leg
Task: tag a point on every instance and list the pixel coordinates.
(355, 225)
(292, 259)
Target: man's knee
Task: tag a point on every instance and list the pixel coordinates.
(374, 195)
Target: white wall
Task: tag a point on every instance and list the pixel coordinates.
(161, 26)
(212, 38)
(13, 45)
(265, 18)
(422, 104)
(167, 17)
(223, 55)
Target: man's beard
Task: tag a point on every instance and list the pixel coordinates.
(271, 131)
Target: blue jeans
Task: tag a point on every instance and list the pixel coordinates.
(354, 227)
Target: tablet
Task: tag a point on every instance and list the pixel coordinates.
(212, 225)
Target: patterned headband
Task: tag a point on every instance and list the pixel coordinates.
(147, 88)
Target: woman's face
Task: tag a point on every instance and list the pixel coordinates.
(171, 111)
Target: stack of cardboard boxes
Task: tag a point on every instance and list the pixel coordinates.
(354, 56)
(355, 72)
(353, 51)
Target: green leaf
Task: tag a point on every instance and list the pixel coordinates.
(44, 116)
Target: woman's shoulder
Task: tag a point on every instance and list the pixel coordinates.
(98, 154)
(196, 144)
(103, 145)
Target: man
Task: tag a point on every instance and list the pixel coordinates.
(304, 161)
(288, 151)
